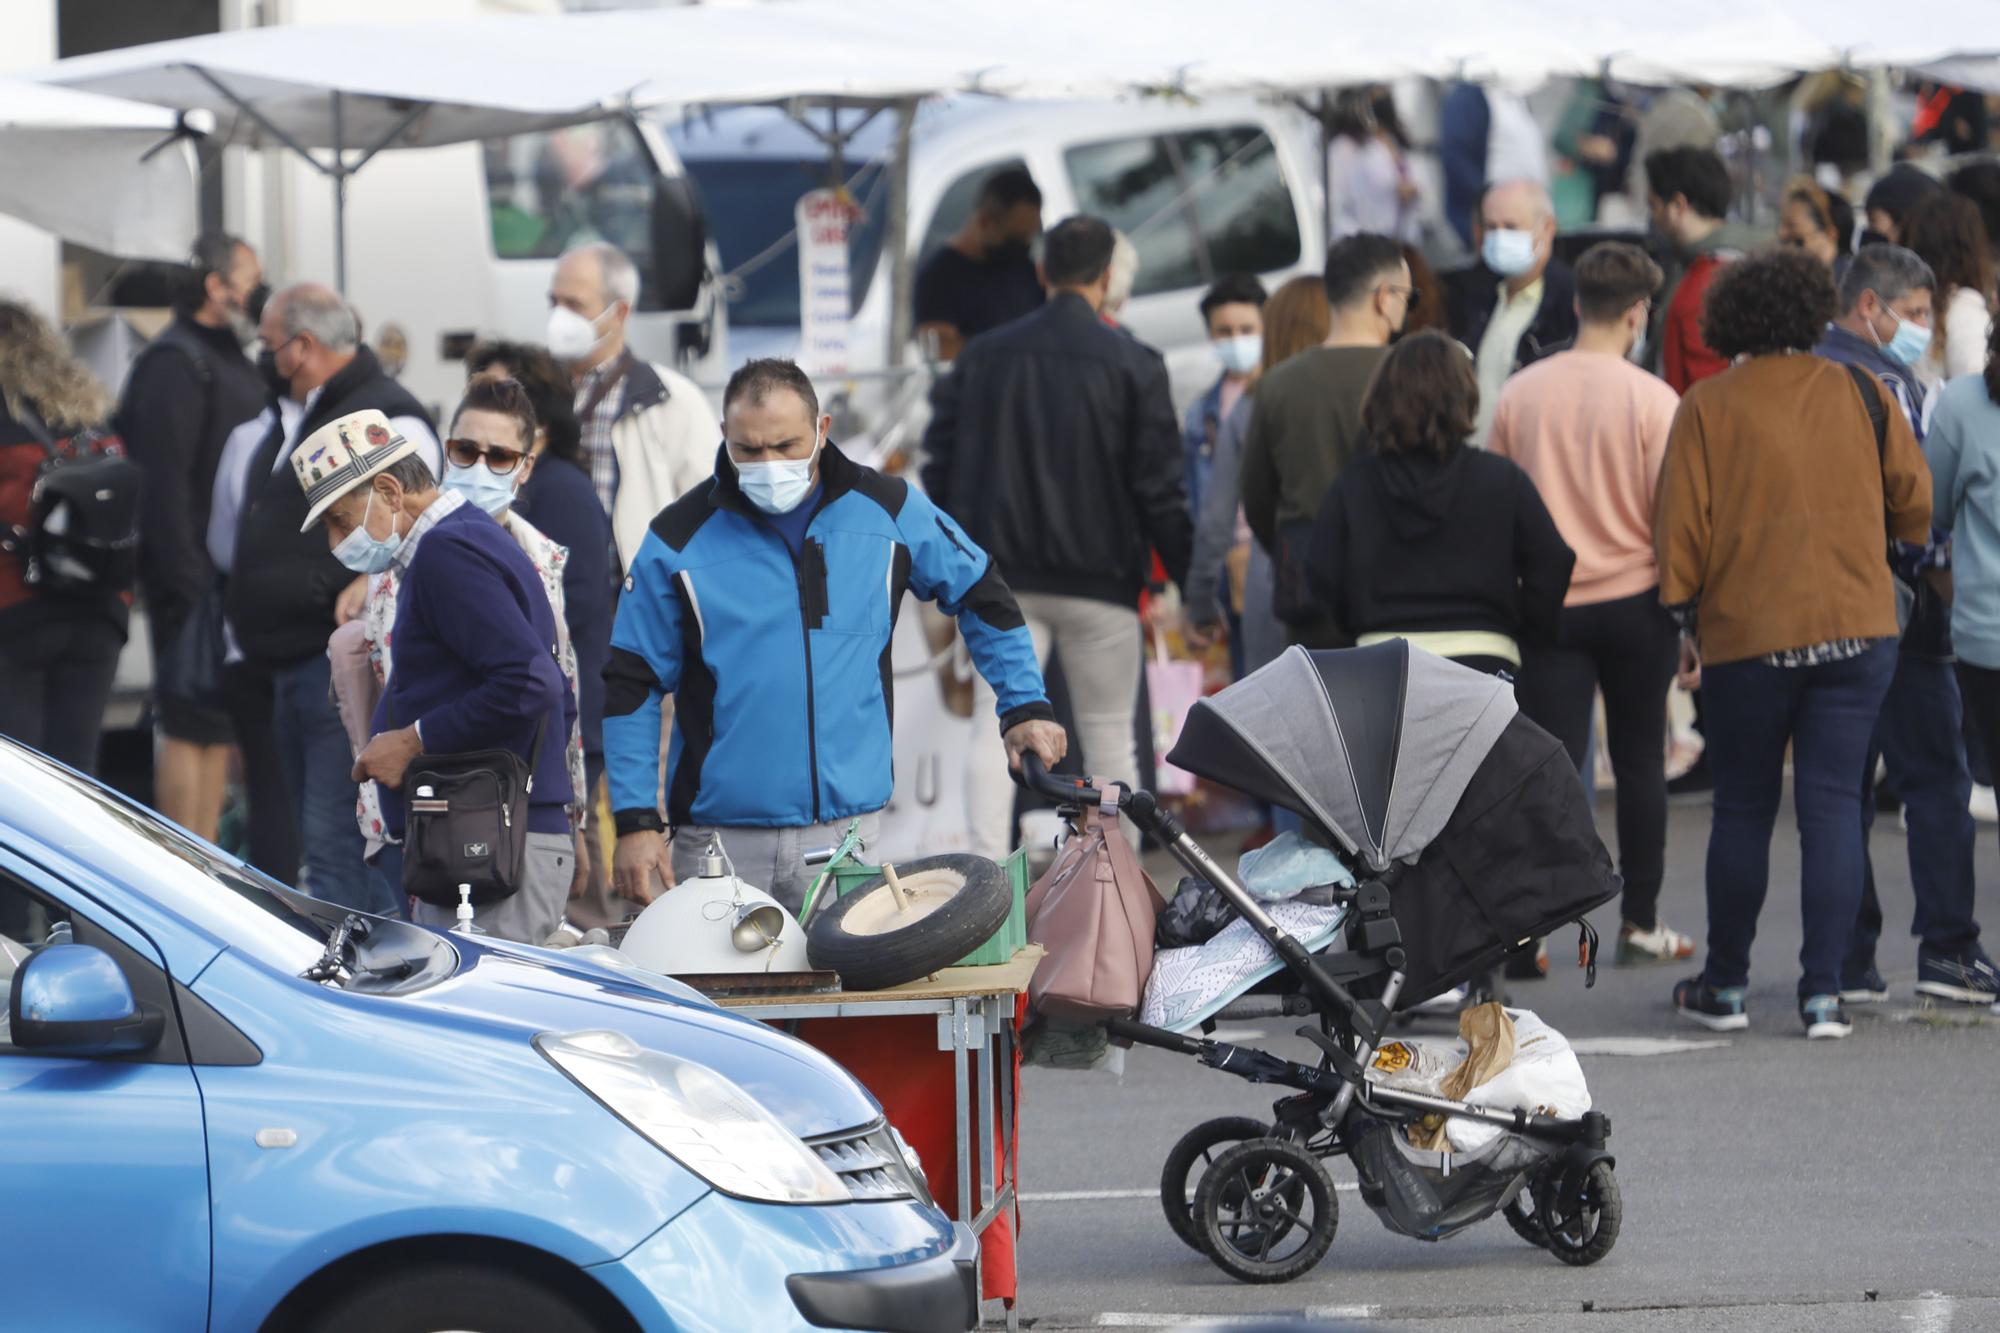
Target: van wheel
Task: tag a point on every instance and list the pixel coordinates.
(951, 904)
(447, 1296)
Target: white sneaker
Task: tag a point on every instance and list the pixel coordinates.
(1984, 805)
(1450, 1002)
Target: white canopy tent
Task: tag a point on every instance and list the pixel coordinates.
(117, 176)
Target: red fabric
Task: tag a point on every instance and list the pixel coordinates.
(18, 465)
(1684, 357)
(897, 1059)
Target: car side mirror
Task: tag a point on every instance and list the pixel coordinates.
(680, 243)
(72, 999)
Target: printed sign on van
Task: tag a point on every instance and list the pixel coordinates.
(823, 218)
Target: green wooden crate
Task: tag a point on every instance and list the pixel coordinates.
(1013, 933)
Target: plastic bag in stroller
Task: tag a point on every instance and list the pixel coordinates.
(1470, 834)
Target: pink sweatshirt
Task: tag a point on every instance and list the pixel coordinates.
(1591, 430)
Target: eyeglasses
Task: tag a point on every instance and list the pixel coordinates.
(499, 462)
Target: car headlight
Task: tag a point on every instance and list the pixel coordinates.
(699, 1118)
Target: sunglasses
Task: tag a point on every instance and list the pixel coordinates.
(499, 462)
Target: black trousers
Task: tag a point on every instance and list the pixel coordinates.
(1629, 648)
(274, 828)
(55, 679)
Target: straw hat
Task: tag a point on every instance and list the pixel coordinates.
(343, 454)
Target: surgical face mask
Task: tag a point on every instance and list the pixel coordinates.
(1240, 354)
(1909, 343)
(362, 551)
(1508, 252)
(476, 483)
(1637, 356)
(778, 486)
(571, 337)
(267, 370)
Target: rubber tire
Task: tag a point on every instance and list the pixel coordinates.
(1194, 1145)
(1311, 1180)
(877, 962)
(444, 1295)
(1602, 1184)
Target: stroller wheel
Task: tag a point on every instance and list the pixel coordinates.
(1266, 1211)
(1521, 1216)
(1190, 1159)
(1579, 1218)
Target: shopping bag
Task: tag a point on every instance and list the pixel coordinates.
(1173, 688)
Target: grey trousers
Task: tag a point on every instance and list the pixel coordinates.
(771, 859)
(536, 907)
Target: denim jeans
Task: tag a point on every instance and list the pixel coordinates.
(1919, 739)
(1826, 714)
(318, 763)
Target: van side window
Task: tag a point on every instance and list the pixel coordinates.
(1137, 186)
(1241, 202)
(1196, 203)
(955, 205)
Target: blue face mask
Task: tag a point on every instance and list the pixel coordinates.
(1910, 342)
(777, 487)
(1508, 252)
(362, 551)
(476, 483)
(1239, 354)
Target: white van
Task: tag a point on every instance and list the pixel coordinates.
(1231, 184)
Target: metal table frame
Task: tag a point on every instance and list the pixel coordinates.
(980, 1026)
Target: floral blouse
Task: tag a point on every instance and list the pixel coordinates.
(378, 622)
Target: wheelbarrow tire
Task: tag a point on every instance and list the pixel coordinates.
(1266, 1210)
(1199, 1146)
(887, 955)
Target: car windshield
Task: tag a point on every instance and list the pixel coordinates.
(131, 845)
(749, 204)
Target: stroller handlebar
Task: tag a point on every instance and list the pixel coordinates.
(1035, 776)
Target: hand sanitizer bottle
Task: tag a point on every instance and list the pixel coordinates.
(464, 923)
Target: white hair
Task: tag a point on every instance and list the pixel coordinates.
(620, 277)
(311, 308)
(1538, 194)
(1124, 271)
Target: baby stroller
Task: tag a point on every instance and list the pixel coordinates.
(1469, 836)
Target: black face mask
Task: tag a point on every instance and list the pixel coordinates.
(1009, 251)
(253, 308)
(267, 370)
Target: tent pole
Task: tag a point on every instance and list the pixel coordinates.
(339, 202)
(897, 234)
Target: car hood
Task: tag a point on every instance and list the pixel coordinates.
(530, 990)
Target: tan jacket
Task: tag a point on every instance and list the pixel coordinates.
(665, 439)
(1772, 508)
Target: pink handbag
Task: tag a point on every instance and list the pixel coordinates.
(1093, 911)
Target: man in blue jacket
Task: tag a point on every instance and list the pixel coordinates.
(765, 600)
(1886, 303)
(475, 646)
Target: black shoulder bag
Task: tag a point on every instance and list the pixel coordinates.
(466, 822)
(1878, 418)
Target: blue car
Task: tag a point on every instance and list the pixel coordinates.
(225, 1105)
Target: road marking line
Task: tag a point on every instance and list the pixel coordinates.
(1641, 1045)
(1089, 1196)
(1169, 1319)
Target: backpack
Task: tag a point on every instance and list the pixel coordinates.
(82, 533)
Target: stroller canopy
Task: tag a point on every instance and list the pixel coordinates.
(1375, 745)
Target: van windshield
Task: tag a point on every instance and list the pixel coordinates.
(749, 204)
(549, 191)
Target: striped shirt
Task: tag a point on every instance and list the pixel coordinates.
(596, 422)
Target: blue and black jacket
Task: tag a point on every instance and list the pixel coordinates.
(779, 664)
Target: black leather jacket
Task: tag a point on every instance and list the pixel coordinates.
(1053, 443)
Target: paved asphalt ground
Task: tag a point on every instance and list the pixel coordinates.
(1768, 1183)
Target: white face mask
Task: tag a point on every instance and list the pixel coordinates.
(571, 337)
(777, 487)
(1239, 354)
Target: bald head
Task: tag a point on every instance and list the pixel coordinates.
(312, 334)
(1516, 218)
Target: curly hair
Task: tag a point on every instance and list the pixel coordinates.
(1774, 301)
(549, 389)
(37, 369)
(1423, 397)
(1945, 231)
